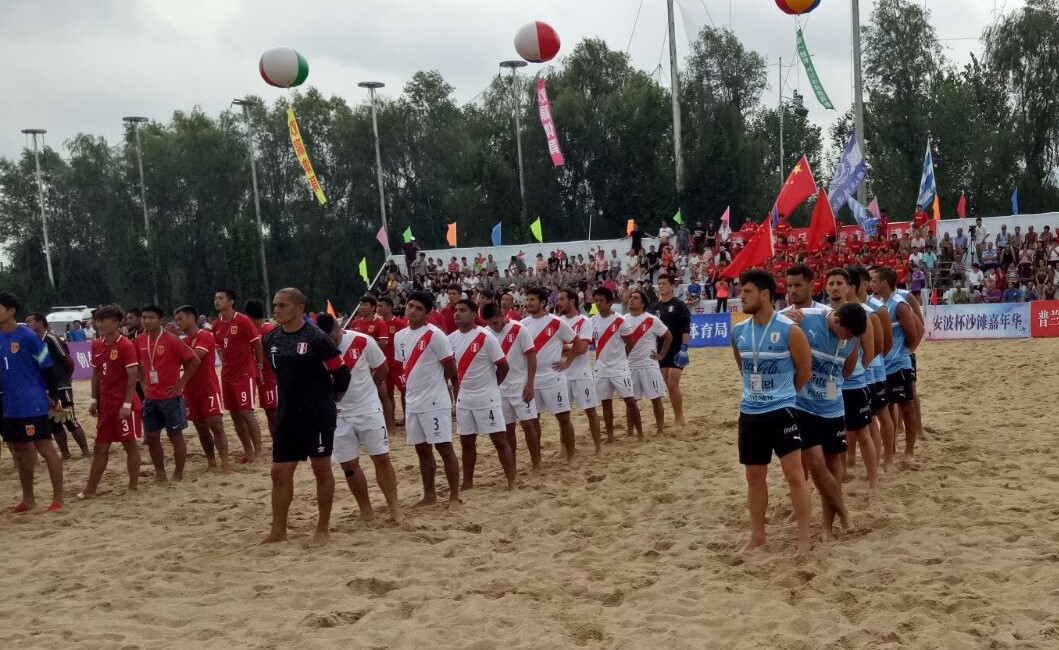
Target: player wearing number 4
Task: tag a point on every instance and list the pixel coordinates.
(202, 394)
(652, 341)
(428, 361)
(613, 338)
(516, 391)
(574, 364)
(481, 367)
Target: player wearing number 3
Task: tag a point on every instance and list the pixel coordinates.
(613, 339)
(428, 361)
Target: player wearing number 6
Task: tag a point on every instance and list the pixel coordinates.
(651, 342)
(613, 338)
(428, 361)
(481, 367)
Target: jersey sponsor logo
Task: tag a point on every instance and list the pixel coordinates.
(113, 355)
(303, 347)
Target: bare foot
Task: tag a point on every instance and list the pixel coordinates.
(753, 544)
(396, 515)
(466, 486)
(639, 437)
(609, 440)
(804, 548)
(320, 538)
(178, 476)
(455, 504)
(511, 484)
(572, 462)
(680, 423)
(599, 450)
(366, 515)
(274, 538)
(907, 458)
(844, 522)
(226, 468)
(827, 536)
(160, 479)
(426, 501)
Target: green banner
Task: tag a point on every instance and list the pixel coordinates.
(810, 71)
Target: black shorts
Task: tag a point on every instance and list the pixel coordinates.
(915, 373)
(829, 433)
(761, 434)
(66, 397)
(168, 414)
(670, 360)
(19, 430)
(899, 387)
(880, 396)
(299, 440)
(858, 406)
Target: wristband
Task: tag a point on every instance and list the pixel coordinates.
(127, 405)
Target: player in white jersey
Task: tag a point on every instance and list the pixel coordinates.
(613, 338)
(549, 334)
(579, 380)
(647, 380)
(480, 369)
(361, 421)
(428, 361)
(516, 391)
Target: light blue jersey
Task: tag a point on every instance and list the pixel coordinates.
(771, 367)
(861, 376)
(878, 364)
(898, 358)
(829, 359)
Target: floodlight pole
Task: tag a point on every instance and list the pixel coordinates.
(372, 86)
(246, 104)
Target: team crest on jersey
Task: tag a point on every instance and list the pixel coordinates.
(31, 430)
(113, 355)
(354, 354)
(234, 330)
(303, 347)
(14, 347)
(371, 328)
(160, 350)
(774, 337)
(422, 345)
(475, 347)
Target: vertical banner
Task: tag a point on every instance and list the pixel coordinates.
(810, 71)
(849, 175)
(303, 156)
(548, 124)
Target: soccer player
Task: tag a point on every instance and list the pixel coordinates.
(202, 393)
(574, 364)
(115, 373)
(481, 366)
(800, 288)
(652, 340)
(361, 422)
(266, 389)
(550, 391)
(612, 363)
(675, 315)
(368, 322)
(29, 389)
(775, 362)
(860, 407)
(516, 391)
(884, 425)
(161, 356)
(310, 378)
(62, 414)
(239, 344)
(395, 376)
(507, 307)
(426, 355)
(906, 337)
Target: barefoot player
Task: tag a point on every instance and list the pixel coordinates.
(574, 364)
(651, 340)
(266, 390)
(427, 357)
(906, 336)
(613, 338)
(395, 376)
(310, 377)
(242, 369)
(775, 363)
(516, 391)
(202, 393)
(481, 367)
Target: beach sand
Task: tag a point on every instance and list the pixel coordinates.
(637, 549)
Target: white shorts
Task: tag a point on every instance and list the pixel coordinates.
(354, 430)
(516, 410)
(553, 398)
(432, 427)
(647, 383)
(611, 387)
(470, 422)
(583, 393)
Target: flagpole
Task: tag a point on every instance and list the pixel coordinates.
(675, 76)
(858, 93)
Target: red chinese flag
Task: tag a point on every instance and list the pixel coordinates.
(757, 251)
(800, 186)
(961, 207)
(822, 225)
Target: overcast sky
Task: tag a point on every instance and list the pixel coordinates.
(80, 66)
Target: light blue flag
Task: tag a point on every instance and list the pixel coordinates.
(496, 235)
(867, 221)
(928, 187)
(849, 175)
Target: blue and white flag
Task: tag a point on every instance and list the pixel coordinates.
(1015, 201)
(496, 235)
(867, 221)
(928, 187)
(849, 175)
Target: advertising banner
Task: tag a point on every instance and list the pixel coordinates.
(987, 321)
(709, 330)
(1044, 318)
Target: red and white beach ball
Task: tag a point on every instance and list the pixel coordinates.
(537, 42)
(283, 67)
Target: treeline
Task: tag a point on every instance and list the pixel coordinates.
(994, 123)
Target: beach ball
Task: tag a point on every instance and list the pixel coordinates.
(283, 67)
(797, 7)
(537, 42)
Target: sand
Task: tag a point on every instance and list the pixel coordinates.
(638, 549)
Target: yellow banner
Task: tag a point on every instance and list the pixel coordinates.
(303, 156)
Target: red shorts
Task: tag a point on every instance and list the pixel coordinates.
(111, 428)
(395, 376)
(202, 407)
(239, 394)
(268, 397)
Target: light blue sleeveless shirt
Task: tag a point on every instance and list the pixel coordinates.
(829, 358)
(774, 364)
(898, 358)
(878, 364)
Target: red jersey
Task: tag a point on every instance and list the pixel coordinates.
(437, 320)
(392, 327)
(448, 319)
(375, 327)
(204, 381)
(513, 315)
(110, 361)
(235, 339)
(161, 360)
(267, 373)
